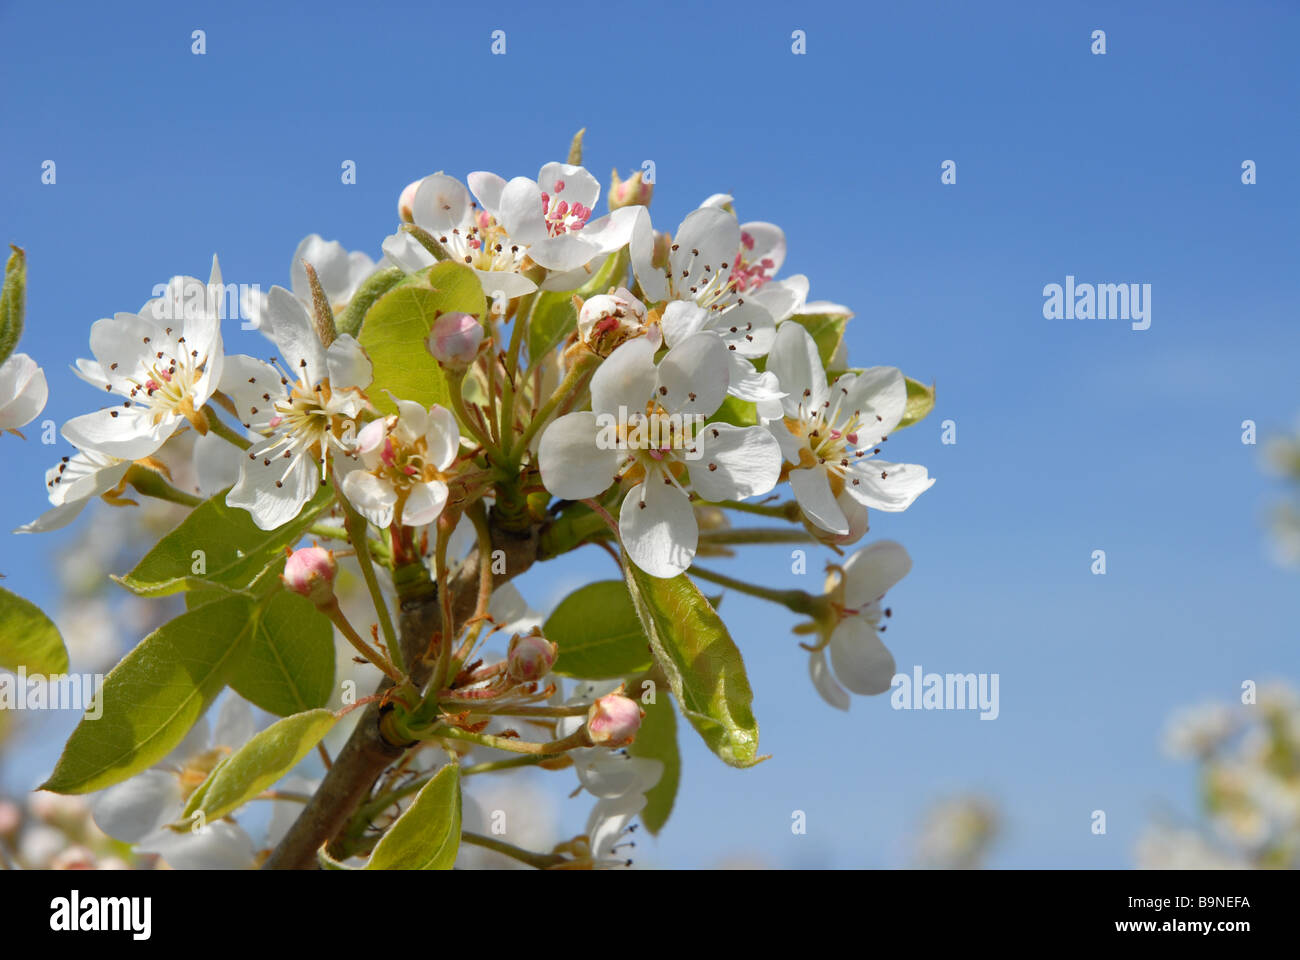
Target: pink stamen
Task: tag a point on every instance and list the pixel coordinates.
(559, 186)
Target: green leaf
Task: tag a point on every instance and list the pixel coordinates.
(353, 316)
(218, 544)
(703, 664)
(427, 835)
(737, 412)
(13, 302)
(154, 696)
(920, 401)
(263, 760)
(28, 639)
(657, 739)
(397, 325)
(827, 330)
(553, 316)
(287, 664)
(598, 633)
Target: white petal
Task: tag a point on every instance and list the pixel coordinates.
(735, 462)
(487, 188)
(424, 503)
(131, 810)
(570, 183)
(218, 846)
(709, 236)
(566, 252)
(872, 571)
(765, 241)
(653, 281)
(573, 466)
(131, 434)
(658, 527)
(521, 211)
(290, 326)
(782, 298)
(248, 383)
(607, 822)
(412, 421)
(506, 284)
(372, 497)
(875, 392)
(692, 378)
(269, 505)
(23, 391)
(681, 318)
(625, 380)
(862, 663)
(442, 437)
(824, 681)
(746, 383)
(441, 203)
(614, 774)
(891, 487)
(812, 488)
(348, 364)
(798, 368)
(406, 252)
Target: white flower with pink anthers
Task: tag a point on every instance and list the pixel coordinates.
(702, 294)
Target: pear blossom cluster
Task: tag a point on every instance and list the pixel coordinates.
(632, 387)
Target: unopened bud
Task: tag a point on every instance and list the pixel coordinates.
(406, 202)
(632, 192)
(613, 720)
(530, 657)
(310, 571)
(455, 339)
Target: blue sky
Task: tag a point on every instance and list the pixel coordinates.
(1073, 435)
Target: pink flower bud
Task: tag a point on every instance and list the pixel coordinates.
(530, 657)
(632, 192)
(406, 202)
(613, 720)
(310, 572)
(455, 339)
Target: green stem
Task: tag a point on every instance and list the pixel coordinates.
(797, 600)
(336, 616)
(490, 766)
(551, 747)
(782, 511)
(219, 427)
(359, 533)
(572, 381)
(539, 860)
(151, 484)
(756, 535)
